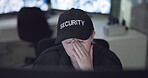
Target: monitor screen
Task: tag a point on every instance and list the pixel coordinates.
(92, 6)
(62, 73)
(10, 6)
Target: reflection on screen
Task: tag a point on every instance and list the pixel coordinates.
(94, 6)
(8, 6)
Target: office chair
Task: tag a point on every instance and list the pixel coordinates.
(47, 43)
(32, 25)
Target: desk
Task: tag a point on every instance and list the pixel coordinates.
(130, 48)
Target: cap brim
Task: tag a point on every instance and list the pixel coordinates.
(84, 35)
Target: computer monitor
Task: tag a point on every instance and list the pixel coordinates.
(61, 73)
(91, 6)
(11, 6)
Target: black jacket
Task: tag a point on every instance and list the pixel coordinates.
(104, 59)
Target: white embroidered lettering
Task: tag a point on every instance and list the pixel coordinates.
(75, 22)
(79, 22)
(83, 23)
(61, 26)
(66, 23)
(72, 23)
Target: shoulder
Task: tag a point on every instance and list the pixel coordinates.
(50, 50)
(51, 54)
(106, 57)
(104, 51)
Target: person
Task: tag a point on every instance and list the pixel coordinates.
(75, 48)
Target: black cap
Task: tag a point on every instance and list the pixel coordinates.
(74, 23)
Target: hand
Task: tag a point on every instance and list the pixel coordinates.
(83, 58)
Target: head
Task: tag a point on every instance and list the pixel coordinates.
(75, 25)
(68, 44)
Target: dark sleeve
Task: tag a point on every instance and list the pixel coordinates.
(47, 59)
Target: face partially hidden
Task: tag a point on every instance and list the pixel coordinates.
(68, 45)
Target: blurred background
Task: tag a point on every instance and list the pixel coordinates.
(123, 23)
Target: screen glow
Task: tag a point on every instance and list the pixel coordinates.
(8, 6)
(93, 6)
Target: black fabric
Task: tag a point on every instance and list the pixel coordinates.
(101, 42)
(104, 59)
(44, 44)
(74, 23)
(32, 24)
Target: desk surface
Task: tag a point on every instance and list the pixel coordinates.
(7, 23)
(11, 23)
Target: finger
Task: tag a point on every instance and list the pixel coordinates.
(76, 56)
(77, 50)
(91, 52)
(81, 48)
